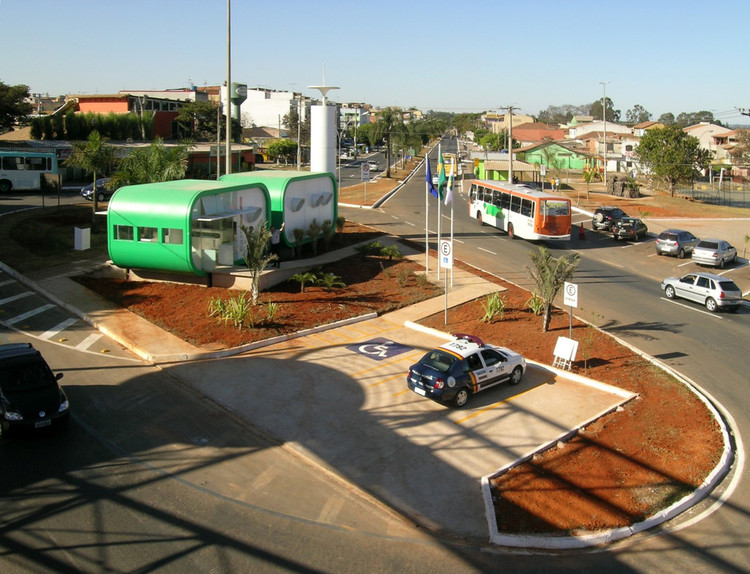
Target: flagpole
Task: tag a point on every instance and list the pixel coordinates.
(453, 182)
(427, 217)
(440, 155)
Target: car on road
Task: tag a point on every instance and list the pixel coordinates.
(714, 252)
(30, 395)
(676, 242)
(102, 191)
(713, 291)
(373, 165)
(605, 217)
(629, 228)
(456, 370)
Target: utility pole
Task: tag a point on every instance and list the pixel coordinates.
(604, 117)
(510, 141)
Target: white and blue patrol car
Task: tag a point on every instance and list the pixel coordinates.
(454, 371)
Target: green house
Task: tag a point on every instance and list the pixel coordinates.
(188, 226)
(297, 198)
(553, 155)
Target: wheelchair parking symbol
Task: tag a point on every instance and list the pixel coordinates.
(379, 349)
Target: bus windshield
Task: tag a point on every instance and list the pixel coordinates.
(553, 207)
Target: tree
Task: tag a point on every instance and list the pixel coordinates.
(637, 114)
(94, 156)
(671, 156)
(549, 275)
(154, 163)
(198, 121)
(14, 106)
(390, 123)
(293, 127)
(562, 114)
(667, 119)
(691, 118)
(256, 255)
(612, 115)
(284, 148)
(741, 151)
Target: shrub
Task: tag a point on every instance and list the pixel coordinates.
(329, 281)
(494, 308)
(235, 309)
(535, 303)
(303, 279)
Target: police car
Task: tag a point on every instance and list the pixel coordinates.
(454, 371)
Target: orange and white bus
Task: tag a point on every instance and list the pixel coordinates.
(520, 210)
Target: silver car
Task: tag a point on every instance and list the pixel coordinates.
(714, 252)
(713, 291)
(676, 242)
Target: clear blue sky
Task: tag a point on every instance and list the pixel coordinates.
(463, 56)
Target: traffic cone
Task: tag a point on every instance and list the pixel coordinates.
(581, 233)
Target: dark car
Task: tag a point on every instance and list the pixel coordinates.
(676, 242)
(30, 396)
(605, 217)
(454, 371)
(629, 228)
(102, 191)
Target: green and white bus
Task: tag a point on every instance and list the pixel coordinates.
(21, 170)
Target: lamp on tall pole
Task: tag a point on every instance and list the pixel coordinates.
(229, 88)
(604, 117)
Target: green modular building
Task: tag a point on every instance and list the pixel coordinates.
(297, 198)
(188, 226)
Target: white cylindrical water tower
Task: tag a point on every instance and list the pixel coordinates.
(323, 134)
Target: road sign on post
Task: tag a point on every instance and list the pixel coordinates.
(570, 298)
(365, 171)
(446, 254)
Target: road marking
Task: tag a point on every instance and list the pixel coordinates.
(714, 315)
(88, 341)
(486, 250)
(8, 282)
(57, 328)
(22, 316)
(499, 403)
(16, 297)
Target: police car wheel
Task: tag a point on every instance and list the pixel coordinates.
(462, 396)
(516, 375)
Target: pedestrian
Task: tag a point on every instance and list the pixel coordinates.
(276, 244)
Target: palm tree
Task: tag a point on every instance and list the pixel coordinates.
(390, 122)
(94, 156)
(549, 275)
(154, 163)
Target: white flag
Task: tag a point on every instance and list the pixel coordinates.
(449, 193)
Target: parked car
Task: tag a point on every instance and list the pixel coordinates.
(454, 371)
(630, 228)
(605, 217)
(30, 396)
(676, 242)
(713, 291)
(714, 252)
(102, 191)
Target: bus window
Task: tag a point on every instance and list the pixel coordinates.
(505, 200)
(497, 198)
(515, 204)
(527, 207)
(11, 162)
(472, 192)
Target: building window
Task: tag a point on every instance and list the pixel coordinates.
(172, 236)
(147, 234)
(124, 232)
